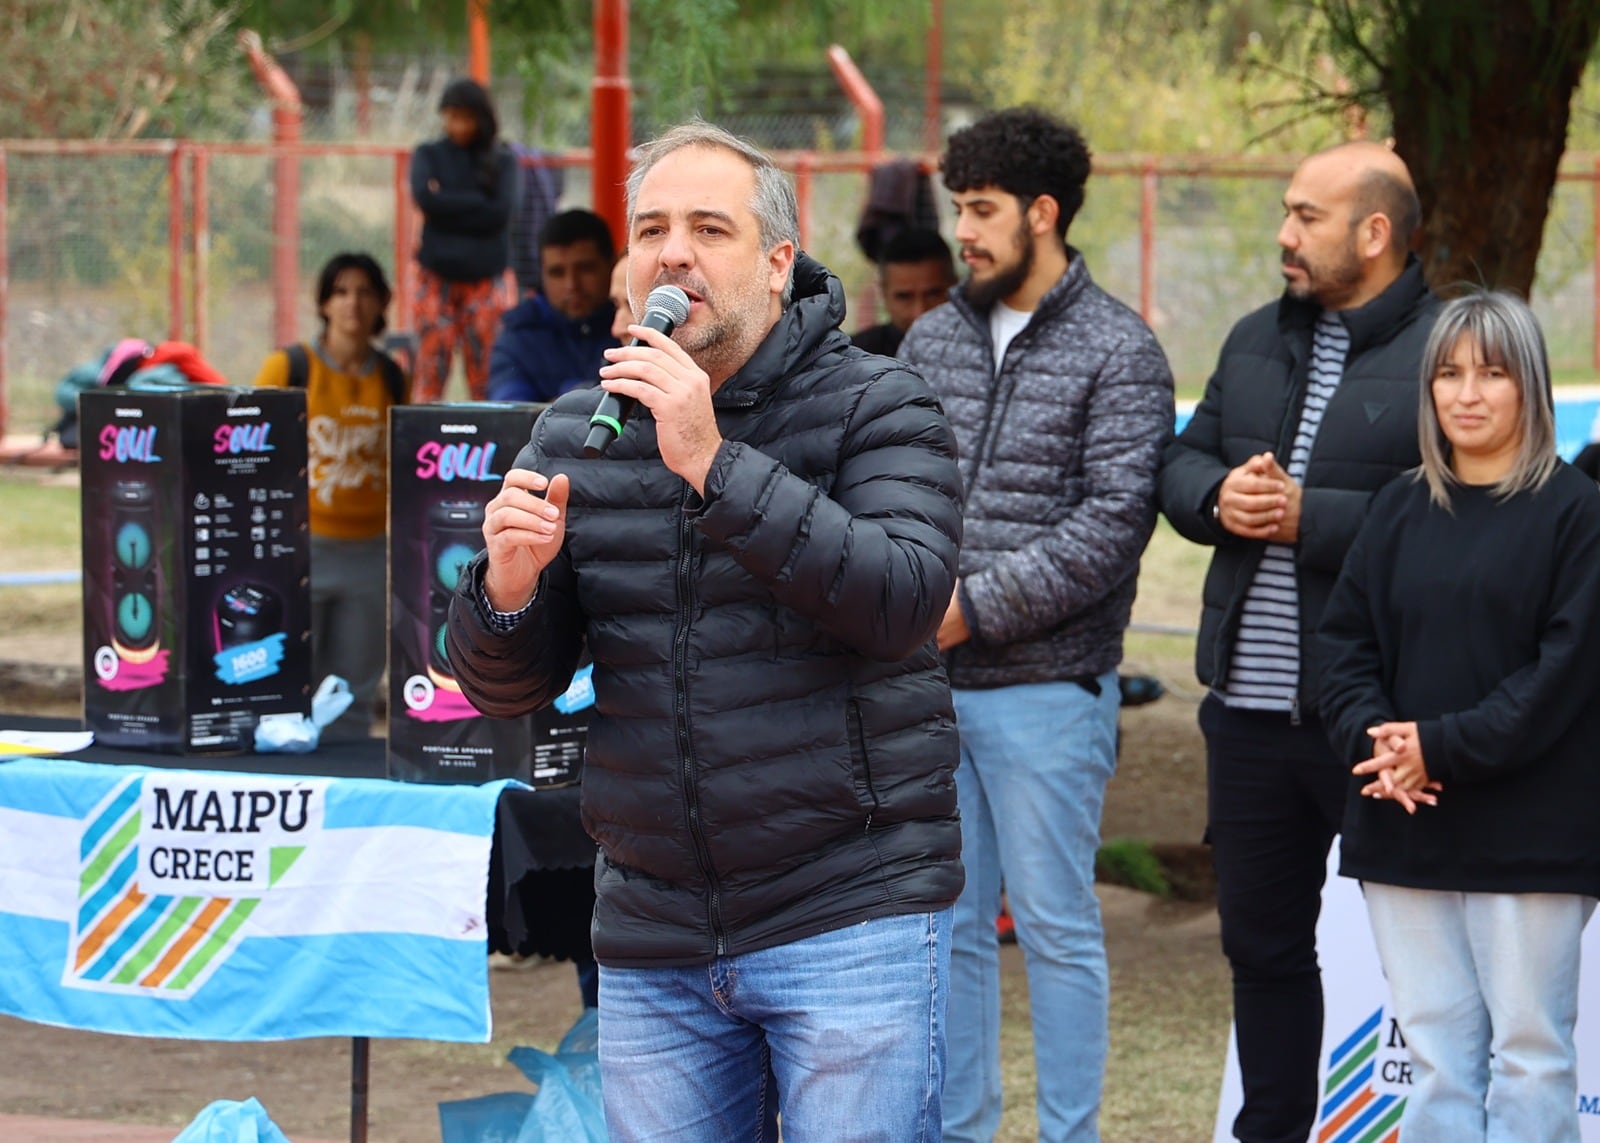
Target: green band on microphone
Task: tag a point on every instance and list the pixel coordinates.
(609, 422)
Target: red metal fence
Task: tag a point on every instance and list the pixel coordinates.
(176, 239)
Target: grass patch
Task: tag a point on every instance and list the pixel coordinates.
(39, 528)
(1131, 862)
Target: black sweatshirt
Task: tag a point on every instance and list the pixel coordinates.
(465, 227)
(1482, 625)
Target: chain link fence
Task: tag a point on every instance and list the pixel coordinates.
(99, 246)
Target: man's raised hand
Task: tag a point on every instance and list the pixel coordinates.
(523, 528)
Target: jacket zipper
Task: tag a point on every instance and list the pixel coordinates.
(858, 740)
(680, 699)
(1287, 427)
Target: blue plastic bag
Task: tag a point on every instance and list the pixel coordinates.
(229, 1121)
(567, 1108)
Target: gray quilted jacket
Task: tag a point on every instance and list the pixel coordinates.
(1059, 451)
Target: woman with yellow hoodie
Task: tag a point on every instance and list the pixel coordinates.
(349, 385)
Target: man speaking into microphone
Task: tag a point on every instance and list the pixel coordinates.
(759, 563)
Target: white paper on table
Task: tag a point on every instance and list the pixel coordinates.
(15, 742)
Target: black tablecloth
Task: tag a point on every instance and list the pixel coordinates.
(541, 865)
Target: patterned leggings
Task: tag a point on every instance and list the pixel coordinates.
(450, 313)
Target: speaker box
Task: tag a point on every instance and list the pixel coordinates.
(195, 565)
(446, 463)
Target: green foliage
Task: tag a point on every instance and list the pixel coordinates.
(112, 69)
(400, 25)
(1162, 78)
(685, 59)
(1430, 55)
(1131, 862)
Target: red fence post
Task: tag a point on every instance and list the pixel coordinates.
(862, 95)
(175, 244)
(477, 42)
(1147, 241)
(803, 167)
(285, 185)
(932, 118)
(403, 244)
(200, 248)
(611, 116)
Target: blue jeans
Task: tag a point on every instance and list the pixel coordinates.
(842, 1032)
(1485, 987)
(1035, 761)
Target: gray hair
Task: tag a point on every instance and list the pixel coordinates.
(773, 203)
(1506, 334)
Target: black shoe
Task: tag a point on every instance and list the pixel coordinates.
(1139, 689)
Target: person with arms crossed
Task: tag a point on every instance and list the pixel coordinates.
(1311, 409)
(555, 339)
(465, 185)
(1062, 401)
(1461, 682)
(759, 563)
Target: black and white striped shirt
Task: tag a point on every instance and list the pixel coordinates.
(1264, 673)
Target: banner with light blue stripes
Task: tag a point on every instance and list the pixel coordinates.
(217, 906)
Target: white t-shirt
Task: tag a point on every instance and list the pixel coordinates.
(1004, 324)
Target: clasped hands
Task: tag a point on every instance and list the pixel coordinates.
(1401, 774)
(1260, 501)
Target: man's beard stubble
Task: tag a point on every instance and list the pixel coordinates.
(1329, 283)
(982, 295)
(736, 312)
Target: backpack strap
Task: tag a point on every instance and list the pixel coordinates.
(299, 365)
(300, 371)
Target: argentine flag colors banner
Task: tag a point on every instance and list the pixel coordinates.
(218, 906)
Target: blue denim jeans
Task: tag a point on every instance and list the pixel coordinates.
(1035, 761)
(842, 1032)
(1485, 987)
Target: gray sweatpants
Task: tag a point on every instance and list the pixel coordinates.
(349, 624)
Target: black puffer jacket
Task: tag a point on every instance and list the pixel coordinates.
(773, 749)
(466, 226)
(1252, 404)
(1059, 450)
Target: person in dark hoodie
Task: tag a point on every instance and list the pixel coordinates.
(555, 340)
(757, 565)
(465, 185)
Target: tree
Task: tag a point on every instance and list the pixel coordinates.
(1480, 93)
(114, 69)
(687, 57)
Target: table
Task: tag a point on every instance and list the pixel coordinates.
(539, 894)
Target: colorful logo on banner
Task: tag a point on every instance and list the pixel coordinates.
(169, 873)
(1354, 1108)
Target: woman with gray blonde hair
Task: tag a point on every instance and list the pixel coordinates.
(1461, 655)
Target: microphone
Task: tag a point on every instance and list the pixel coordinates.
(665, 309)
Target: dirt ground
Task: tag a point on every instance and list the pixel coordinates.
(1169, 1014)
(1169, 982)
